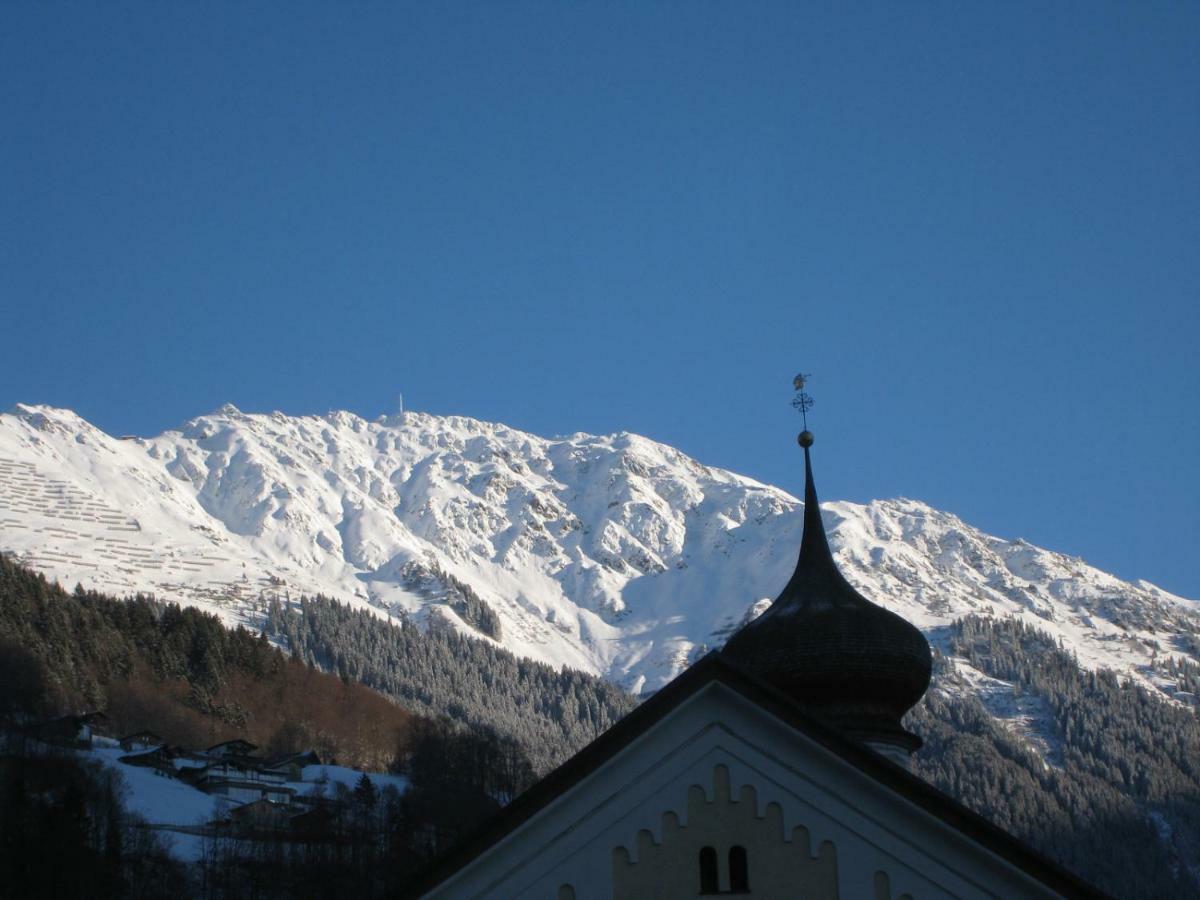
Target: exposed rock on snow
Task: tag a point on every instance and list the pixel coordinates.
(613, 554)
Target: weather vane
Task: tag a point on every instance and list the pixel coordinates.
(803, 402)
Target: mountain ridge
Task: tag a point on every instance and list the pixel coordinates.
(613, 554)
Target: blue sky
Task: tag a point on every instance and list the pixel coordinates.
(976, 224)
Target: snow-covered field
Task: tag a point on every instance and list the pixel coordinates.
(613, 554)
(155, 797)
(324, 778)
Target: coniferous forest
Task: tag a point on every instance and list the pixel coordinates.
(1113, 793)
(179, 672)
(1116, 797)
(552, 713)
(65, 829)
(1119, 803)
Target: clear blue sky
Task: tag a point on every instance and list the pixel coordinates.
(977, 224)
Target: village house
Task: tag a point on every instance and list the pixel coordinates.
(242, 780)
(74, 731)
(140, 741)
(292, 764)
(236, 747)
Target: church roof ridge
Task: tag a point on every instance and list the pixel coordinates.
(715, 667)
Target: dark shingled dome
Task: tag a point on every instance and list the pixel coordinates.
(829, 648)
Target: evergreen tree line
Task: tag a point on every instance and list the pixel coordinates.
(1186, 676)
(464, 600)
(178, 672)
(355, 847)
(64, 828)
(65, 832)
(1120, 806)
(1118, 797)
(551, 713)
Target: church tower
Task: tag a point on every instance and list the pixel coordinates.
(752, 774)
(850, 662)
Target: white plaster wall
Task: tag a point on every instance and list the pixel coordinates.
(571, 841)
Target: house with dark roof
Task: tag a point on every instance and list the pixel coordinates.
(776, 768)
(292, 765)
(236, 747)
(140, 741)
(160, 758)
(242, 780)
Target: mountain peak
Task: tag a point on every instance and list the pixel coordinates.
(50, 418)
(613, 554)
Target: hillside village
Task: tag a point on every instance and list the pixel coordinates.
(230, 788)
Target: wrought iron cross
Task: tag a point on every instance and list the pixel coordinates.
(802, 401)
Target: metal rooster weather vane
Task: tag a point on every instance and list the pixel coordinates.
(803, 402)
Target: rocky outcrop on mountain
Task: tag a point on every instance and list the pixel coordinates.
(613, 554)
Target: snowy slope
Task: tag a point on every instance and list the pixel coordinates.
(172, 804)
(613, 554)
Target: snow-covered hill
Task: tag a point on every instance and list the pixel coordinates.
(612, 554)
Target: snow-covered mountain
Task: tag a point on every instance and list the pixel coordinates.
(615, 554)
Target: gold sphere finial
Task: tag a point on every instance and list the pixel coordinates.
(805, 439)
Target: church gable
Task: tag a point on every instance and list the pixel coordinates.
(719, 787)
(725, 847)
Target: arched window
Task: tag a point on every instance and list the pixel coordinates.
(708, 871)
(739, 871)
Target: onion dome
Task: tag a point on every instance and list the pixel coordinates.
(852, 663)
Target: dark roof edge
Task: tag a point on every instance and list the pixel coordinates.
(567, 775)
(714, 667)
(914, 789)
